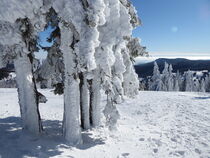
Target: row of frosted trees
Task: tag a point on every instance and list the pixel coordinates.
(169, 81)
(92, 51)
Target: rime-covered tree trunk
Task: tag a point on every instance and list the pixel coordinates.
(111, 113)
(71, 121)
(27, 93)
(95, 99)
(84, 102)
(19, 44)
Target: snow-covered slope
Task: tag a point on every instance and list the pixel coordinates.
(154, 125)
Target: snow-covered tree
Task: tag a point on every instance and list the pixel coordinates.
(51, 72)
(135, 49)
(71, 122)
(17, 37)
(207, 83)
(156, 82)
(109, 48)
(170, 79)
(90, 52)
(202, 85)
(177, 82)
(196, 85)
(165, 77)
(189, 81)
(164, 81)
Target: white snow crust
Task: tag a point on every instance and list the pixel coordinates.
(154, 125)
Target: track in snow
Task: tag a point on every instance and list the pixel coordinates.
(154, 125)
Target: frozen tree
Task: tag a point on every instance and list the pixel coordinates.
(165, 77)
(202, 85)
(105, 57)
(90, 84)
(207, 83)
(189, 81)
(170, 78)
(18, 40)
(196, 85)
(156, 82)
(69, 41)
(131, 82)
(1, 60)
(125, 81)
(177, 82)
(136, 49)
(51, 72)
(163, 82)
(90, 53)
(79, 39)
(71, 123)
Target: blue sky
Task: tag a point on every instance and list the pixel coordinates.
(174, 27)
(170, 28)
(43, 36)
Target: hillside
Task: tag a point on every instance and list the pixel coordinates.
(181, 64)
(165, 125)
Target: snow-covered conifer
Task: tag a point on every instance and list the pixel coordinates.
(189, 81)
(196, 85)
(165, 77)
(90, 52)
(156, 82)
(177, 82)
(202, 85)
(170, 78)
(20, 23)
(207, 83)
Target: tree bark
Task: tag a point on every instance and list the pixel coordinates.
(84, 102)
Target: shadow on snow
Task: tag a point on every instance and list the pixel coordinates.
(16, 143)
(201, 98)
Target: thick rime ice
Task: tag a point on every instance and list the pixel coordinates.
(95, 99)
(156, 82)
(192, 81)
(135, 48)
(134, 20)
(131, 82)
(105, 56)
(90, 53)
(15, 9)
(189, 81)
(27, 100)
(90, 35)
(7, 33)
(19, 23)
(27, 91)
(71, 124)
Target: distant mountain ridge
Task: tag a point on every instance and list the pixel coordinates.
(181, 64)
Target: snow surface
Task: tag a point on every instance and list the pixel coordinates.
(154, 125)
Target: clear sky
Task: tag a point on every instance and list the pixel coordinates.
(174, 27)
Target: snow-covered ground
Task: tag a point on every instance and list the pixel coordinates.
(154, 125)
